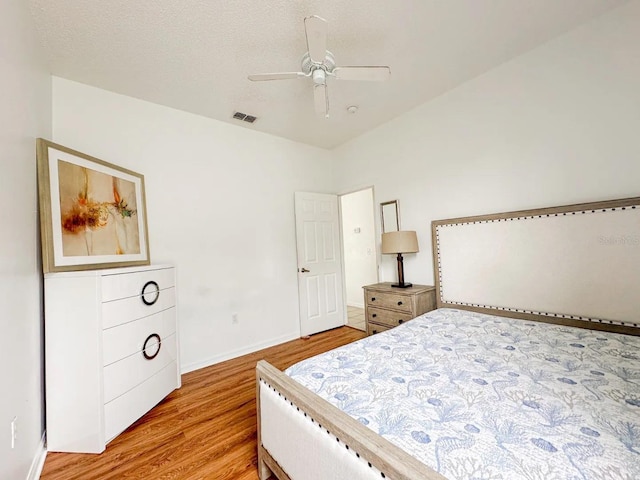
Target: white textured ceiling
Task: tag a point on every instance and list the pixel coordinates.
(195, 55)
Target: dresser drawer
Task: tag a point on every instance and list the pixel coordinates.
(390, 300)
(127, 408)
(124, 285)
(387, 317)
(124, 340)
(125, 310)
(123, 375)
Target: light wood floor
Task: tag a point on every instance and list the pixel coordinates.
(205, 430)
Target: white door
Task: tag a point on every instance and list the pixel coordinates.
(319, 262)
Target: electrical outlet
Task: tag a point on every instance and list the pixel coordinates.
(14, 431)
(234, 318)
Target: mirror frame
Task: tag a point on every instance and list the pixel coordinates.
(389, 225)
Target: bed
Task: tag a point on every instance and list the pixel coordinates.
(529, 369)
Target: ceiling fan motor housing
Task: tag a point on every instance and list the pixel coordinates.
(309, 66)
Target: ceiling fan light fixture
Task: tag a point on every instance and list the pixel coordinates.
(319, 76)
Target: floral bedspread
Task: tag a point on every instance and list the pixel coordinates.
(485, 398)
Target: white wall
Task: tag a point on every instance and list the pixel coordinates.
(359, 242)
(558, 125)
(220, 207)
(25, 114)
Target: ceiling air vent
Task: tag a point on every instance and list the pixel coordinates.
(244, 117)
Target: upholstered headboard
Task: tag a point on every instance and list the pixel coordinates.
(576, 265)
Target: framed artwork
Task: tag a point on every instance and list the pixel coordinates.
(390, 216)
(92, 213)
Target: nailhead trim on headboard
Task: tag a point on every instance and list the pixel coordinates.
(527, 217)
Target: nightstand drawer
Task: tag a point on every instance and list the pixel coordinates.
(373, 328)
(387, 317)
(401, 303)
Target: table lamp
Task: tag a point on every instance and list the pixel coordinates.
(400, 242)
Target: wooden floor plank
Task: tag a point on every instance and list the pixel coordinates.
(205, 430)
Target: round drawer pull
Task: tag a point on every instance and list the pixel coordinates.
(144, 293)
(400, 321)
(375, 331)
(399, 303)
(374, 315)
(144, 347)
(373, 299)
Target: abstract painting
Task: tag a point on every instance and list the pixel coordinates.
(92, 212)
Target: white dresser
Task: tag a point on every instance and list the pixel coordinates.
(111, 352)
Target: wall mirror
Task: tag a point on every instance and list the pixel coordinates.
(390, 216)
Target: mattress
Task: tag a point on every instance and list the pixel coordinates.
(476, 396)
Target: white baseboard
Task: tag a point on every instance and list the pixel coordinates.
(237, 353)
(38, 460)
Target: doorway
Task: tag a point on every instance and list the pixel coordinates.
(320, 287)
(359, 249)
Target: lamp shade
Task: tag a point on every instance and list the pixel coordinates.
(405, 241)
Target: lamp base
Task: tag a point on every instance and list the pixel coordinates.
(402, 285)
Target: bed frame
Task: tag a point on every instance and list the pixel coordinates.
(582, 268)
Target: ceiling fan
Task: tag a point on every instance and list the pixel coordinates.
(318, 64)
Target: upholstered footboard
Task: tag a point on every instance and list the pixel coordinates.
(303, 437)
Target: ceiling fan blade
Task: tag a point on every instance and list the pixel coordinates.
(260, 77)
(316, 31)
(374, 74)
(321, 100)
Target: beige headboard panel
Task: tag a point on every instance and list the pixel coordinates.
(577, 265)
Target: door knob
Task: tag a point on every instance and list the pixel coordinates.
(304, 270)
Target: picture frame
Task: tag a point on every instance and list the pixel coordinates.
(390, 216)
(92, 213)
